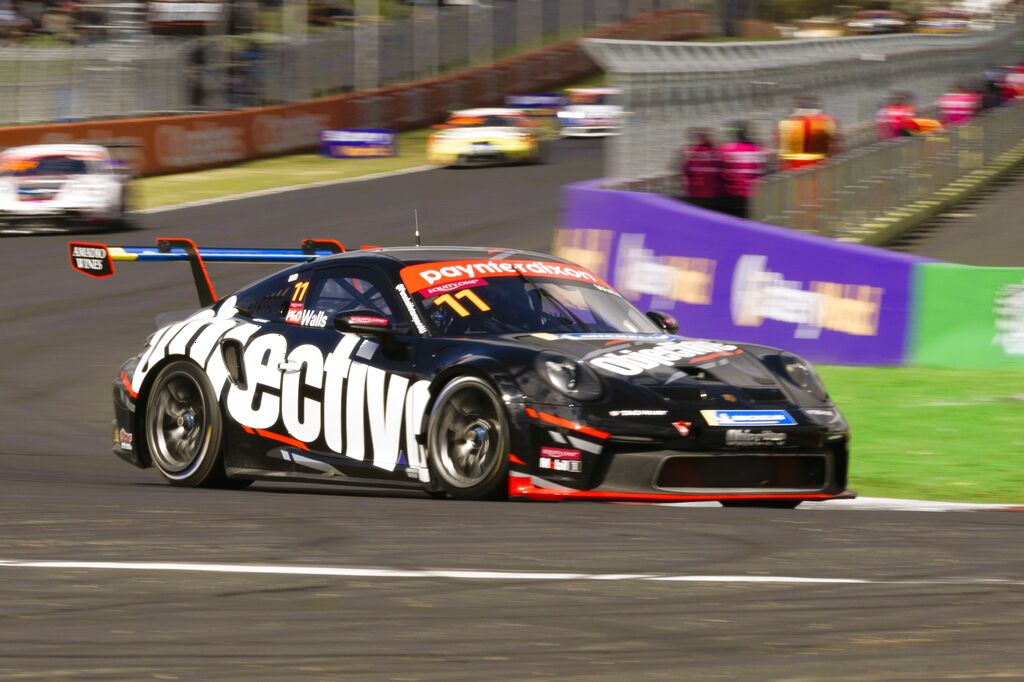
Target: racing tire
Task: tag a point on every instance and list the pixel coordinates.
(184, 428)
(467, 441)
(762, 504)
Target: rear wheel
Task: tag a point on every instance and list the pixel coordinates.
(184, 428)
(468, 440)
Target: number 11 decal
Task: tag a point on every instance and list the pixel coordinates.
(460, 309)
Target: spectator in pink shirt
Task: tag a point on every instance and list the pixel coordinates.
(959, 105)
(701, 169)
(743, 162)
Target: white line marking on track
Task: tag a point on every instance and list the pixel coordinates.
(881, 504)
(280, 190)
(352, 572)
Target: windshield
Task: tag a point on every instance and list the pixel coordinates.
(525, 299)
(45, 165)
(485, 121)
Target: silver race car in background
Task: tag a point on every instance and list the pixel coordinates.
(62, 187)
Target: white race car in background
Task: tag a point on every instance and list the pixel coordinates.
(592, 112)
(61, 187)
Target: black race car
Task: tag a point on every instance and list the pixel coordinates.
(464, 372)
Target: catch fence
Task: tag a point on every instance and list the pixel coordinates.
(141, 75)
(672, 86)
(865, 195)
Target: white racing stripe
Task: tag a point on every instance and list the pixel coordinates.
(279, 190)
(509, 576)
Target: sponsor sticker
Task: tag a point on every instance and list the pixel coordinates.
(424, 275)
(452, 286)
(124, 440)
(90, 259)
(748, 417)
(683, 428)
(561, 459)
(747, 438)
(637, 413)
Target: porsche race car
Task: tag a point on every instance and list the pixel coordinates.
(592, 112)
(485, 137)
(61, 187)
(463, 372)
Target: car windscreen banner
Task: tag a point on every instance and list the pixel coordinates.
(90, 259)
(359, 143)
(437, 275)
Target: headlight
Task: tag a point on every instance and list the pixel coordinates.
(569, 377)
(801, 373)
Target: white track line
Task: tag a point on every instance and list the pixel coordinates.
(881, 504)
(279, 190)
(510, 576)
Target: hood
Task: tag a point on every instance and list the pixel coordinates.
(673, 367)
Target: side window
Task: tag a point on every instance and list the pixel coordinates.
(336, 291)
(267, 300)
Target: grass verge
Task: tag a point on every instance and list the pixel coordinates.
(937, 434)
(282, 171)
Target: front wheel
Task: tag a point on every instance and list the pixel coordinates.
(467, 440)
(184, 427)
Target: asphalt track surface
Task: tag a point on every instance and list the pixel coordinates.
(943, 599)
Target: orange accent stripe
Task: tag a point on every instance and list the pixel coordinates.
(530, 412)
(573, 426)
(522, 486)
(128, 384)
(287, 440)
(712, 356)
(368, 247)
(515, 460)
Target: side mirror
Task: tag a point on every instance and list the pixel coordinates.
(667, 322)
(363, 322)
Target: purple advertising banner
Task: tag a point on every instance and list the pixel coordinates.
(738, 280)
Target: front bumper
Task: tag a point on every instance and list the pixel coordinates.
(50, 217)
(558, 458)
(481, 153)
(591, 131)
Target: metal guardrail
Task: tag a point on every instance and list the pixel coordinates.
(670, 87)
(864, 194)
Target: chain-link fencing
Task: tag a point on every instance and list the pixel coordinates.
(71, 83)
(862, 195)
(669, 87)
(147, 75)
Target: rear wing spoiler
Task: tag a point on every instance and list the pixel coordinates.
(97, 260)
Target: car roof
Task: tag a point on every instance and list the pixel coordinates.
(91, 150)
(412, 255)
(490, 111)
(595, 91)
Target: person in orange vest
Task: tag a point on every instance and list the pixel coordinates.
(894, 119)
(959, 105)
(701, 169)
(807, 137)
(743, 162)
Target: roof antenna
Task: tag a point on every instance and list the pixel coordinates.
(416, 216)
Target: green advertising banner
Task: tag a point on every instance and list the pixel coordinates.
(968, 316)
